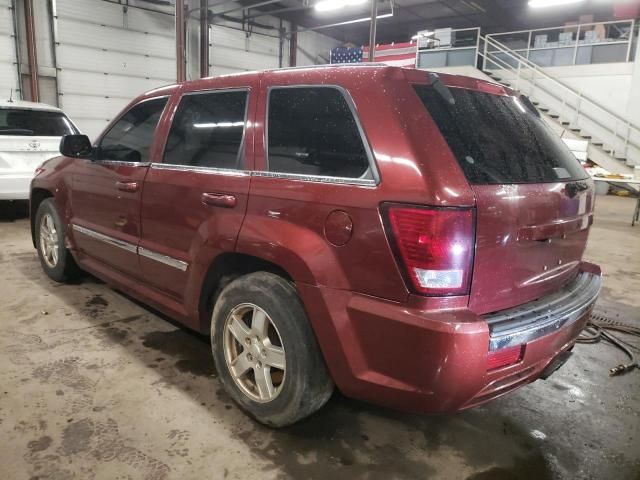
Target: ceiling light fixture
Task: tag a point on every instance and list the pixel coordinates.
(551, 3)
(327, 5)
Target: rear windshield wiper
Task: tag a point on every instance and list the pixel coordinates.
(15, 131)
(441, 88)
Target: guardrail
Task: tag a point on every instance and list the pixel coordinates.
(586, 43)
(618, 134)
(447, 47)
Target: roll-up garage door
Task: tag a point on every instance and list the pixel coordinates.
(233, 51)
(8, 64)
(106, 56)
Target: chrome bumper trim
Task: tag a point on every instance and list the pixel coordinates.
(525, 323)
(130, 247)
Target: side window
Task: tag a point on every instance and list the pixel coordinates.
(130, 138)
(312, 131)
(207, 130)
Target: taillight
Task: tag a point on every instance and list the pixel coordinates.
(435, 247)
(504, 357)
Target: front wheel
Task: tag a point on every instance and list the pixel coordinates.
(55, 258)
(266, 354)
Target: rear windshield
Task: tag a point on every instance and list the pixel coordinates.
(17, 121)
(499, 139)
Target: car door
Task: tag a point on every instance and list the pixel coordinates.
(194, 201)
(105, 199)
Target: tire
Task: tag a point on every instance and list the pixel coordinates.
(299, 389)
(60, 267)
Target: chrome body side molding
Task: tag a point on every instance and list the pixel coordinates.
(130, 247)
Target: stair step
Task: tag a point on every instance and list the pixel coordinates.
(566, 123)
(574, 129)
(542, 109)
(597, 144)
(535, 103)
(586, 137)
(553, 115)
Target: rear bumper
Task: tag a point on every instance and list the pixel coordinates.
(15, 186)
(429, 358)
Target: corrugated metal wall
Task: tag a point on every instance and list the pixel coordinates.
(8, 60)
(106, 55)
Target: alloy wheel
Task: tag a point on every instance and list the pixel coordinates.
(254, 353)
(49, 240)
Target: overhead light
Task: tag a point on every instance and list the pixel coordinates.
(365, 19)
(551, 3)
(327, 5)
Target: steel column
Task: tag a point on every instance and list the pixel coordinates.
(180, 56)
(32, 51)
(204, 39)
(293, 45)
(372, 30)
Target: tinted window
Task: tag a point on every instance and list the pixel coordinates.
(17, 121)
(207, 130)
(130, 138)
(312, 132)
(500, 139)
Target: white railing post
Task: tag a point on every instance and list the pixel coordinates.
(575, 47)
(630, 41)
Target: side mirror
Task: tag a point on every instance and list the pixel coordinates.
(77, 146)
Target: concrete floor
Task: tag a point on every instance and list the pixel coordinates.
(93, 385)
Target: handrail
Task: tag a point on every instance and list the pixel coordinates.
(523, 61)
(575, 44)
(492, 35)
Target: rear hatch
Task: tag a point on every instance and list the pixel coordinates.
(534, 200)
(28, 137)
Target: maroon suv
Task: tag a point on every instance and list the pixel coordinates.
(415, 239)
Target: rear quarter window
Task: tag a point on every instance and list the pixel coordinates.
(498, 139)
(312, 131)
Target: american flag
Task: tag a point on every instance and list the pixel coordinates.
(346, 55)
(396, 54)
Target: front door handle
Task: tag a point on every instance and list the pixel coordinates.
(219, 200)
(128, 186)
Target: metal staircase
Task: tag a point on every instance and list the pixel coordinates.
(614, 141)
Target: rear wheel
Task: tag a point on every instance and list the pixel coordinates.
(265, 351)
(55, 258)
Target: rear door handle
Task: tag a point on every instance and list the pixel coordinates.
(128, 186)
(219, 200)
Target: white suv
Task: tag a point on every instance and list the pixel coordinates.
(29, 134)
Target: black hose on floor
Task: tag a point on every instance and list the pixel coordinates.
(600, 329)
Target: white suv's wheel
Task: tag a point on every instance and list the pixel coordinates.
(265, 352)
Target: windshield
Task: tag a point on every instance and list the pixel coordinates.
(20, 121)
(499, 139)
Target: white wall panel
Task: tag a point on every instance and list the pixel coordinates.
(97, 84)
(95, 107)
(94, 60)
(232, 51)
(117, 39)
(97, 11)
